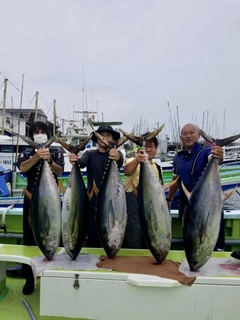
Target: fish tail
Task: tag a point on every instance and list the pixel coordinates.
(74, 149)
(218, 142)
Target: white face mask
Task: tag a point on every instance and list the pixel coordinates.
(40, 138)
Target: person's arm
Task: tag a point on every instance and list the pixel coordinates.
(56, 163)
(29, 163)
(82, 159)
(56, 168)
(117, 156)
(131, 166)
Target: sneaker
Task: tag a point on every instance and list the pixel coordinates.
(28, 288)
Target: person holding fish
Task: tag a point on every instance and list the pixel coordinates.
(188, 166)
(134, 235)
(96, 163)
(28, 162)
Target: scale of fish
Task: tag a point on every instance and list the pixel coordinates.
(111, 212)
(202, 216)
(45, 206)
(154, 214)
(75, 206)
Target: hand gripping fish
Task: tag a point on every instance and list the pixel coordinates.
(154, 214)
(45, 207)
(201, 220)
(111, 213)
(75, 206)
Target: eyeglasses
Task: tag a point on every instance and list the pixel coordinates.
(150, 147)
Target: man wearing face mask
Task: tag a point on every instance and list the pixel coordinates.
(28, 163)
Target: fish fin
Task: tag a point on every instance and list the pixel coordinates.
(187, 193)
(227, 195)
(46, 222)
(128, 185)
(121, 141)
(94, 190)
(152, 218)
(168, 185)
(202, 231)
(73, 222)
(74, 149)
(28, 194)
(111, 220)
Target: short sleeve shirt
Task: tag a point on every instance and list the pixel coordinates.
(56, 155)
(183, 166)
(133, 180)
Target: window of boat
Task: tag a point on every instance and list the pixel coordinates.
(6, 148)
(25, 149)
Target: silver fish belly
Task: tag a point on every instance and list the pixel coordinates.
(111, 211)
(154, 213)
(45, 212)
(201, 221)
(75, 213)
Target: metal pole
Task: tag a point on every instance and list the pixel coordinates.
(4, 104)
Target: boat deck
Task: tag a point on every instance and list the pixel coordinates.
(120, 297)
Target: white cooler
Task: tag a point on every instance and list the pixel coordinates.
(120, 296)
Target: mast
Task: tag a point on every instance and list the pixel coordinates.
(36, 106)
(224, 123)
(174, 136)
(4, 103)
(180, 144)
(54, 117)
(14, 173)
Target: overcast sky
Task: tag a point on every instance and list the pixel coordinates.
(131, 57)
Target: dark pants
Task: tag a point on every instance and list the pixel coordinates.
(28, 238)
(93, 239)
(133, 235)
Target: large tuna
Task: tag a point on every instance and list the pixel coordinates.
(45, 207)
(75, 207)
(111, 207)
(155, 218)
(201, 220)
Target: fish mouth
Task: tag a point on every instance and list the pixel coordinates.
(49, 254)
(194, 265)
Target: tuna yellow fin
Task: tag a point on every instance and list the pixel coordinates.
(227, 195)
(168, 185)
(28, 194)
(187, 193)
(94, 190)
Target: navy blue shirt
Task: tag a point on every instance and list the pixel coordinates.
(96, 164)
(183, 167)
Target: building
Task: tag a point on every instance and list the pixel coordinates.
(18, 120)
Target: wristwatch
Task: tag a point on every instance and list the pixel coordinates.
(50, 161)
